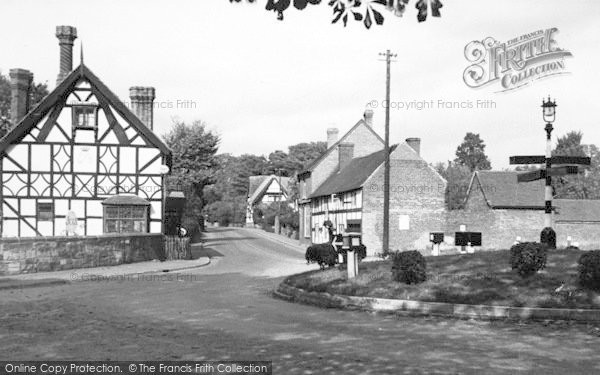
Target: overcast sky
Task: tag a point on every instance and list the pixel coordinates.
(265, 84)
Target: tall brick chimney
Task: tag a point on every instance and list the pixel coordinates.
(345, 154)
(415, 143)
(369, 117)
(20, 84)
(332, 136)
(142, 104)
(66, 35)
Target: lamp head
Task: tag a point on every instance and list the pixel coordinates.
(549, 110)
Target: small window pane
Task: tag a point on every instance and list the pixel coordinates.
(112, 212)
(138, 212)
(45, 211)
(126, 226)
(110, 226)
(125, 211)
(139, 226)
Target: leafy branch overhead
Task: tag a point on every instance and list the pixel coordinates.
(367, 11)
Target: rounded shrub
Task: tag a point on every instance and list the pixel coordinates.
(409, 267)
(589, 270)
(548, 237)
(528, 257)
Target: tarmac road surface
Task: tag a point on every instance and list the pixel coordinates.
(225, 311)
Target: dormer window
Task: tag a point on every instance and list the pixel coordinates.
(84, 116)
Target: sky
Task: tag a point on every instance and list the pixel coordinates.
(264, 84)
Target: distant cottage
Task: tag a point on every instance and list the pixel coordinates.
(265, 190)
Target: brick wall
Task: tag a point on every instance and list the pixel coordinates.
(416, 192)
(40, 254)
(500, 227)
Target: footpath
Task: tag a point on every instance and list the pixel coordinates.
(29, 280)
(288, 242)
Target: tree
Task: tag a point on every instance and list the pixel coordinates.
(37, 93)
(458, 178)
(586, 184)
(194, 163)
(302, 154)
(471, 153)
(367, 11)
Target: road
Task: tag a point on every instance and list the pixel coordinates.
(225, 311)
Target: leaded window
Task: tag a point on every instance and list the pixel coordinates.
(125, 219)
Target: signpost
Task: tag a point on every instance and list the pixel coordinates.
(563, 165)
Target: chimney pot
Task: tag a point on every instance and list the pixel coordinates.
(332, 136)
(369, 117)
(20, 84)
(142, 104)
(345, 154)
(66, 35)
(415, 144)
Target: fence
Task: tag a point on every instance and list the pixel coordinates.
(177, 248)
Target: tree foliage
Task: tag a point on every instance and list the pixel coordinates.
(368, 12)
(37, 92)
(586, 184)
(458, 178)
(230, 182)
(194, 162)
(471, 153)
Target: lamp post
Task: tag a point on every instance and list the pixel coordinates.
(548, 235)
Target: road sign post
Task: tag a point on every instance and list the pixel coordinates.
(563, 165)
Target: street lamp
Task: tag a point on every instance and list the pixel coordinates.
(548, 235)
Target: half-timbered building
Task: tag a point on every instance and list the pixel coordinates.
(81, 162)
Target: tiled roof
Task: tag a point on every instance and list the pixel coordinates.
(254, 183)
(315, 162)
(577, 210)
(126, 200)
(260, 184)
(501, 189)
(353, 176)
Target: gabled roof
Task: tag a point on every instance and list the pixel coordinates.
(62, 91)
(315, 162)
(260, 184)
(501, 190)
(353, 175)
(576, 210)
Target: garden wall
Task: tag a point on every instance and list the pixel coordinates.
(41, 254)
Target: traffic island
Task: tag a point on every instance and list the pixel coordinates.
(480, 286)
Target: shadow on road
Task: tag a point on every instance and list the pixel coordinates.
(199, 251)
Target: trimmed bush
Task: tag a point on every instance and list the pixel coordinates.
(409, 267)
(548, 237)
(589, 270)
(528, 257)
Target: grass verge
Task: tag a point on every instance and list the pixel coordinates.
(483, 278)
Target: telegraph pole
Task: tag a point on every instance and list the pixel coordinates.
(386, 174)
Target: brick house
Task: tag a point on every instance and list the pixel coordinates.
(265, 190)
(503, 209)
(365, 140)
(351, 195)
